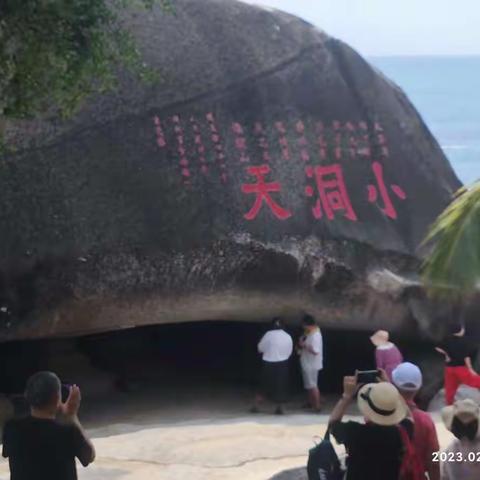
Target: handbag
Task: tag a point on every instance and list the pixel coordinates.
(323, 462)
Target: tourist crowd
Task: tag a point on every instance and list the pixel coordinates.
(396, 441)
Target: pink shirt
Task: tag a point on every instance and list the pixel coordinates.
(388, 358)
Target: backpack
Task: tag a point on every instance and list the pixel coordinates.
(412, 467)
(323, 462)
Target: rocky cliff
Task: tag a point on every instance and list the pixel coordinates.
(271, 170)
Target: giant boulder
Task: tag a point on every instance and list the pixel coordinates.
(271, 170)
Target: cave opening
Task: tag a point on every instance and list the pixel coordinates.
(218, 352)
(210, 362)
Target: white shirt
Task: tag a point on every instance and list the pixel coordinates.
(307, 358)
(276, 346)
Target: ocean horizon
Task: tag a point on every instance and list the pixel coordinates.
(445, 90)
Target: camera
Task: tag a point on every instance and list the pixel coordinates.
(367, 376)
(65, 390)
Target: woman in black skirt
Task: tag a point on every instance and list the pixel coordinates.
(276, 347)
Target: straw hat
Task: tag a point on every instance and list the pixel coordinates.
(381, 404)
(380, 337)
(465, 410)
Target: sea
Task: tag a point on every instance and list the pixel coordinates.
(446, 92)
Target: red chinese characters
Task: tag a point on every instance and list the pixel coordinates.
(161, 142)
(240, 142)
(326, 149)
(261, 135)
(322, 144)
(351, 140)
(262, 191)
(337, 129)
(363, 141)
(374, 191)
(282, 140)
(302, 141)
(218, 147)
(199, 146)
(381, 141)
(181, 149)
(331, 190)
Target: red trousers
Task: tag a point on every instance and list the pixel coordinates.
(456, 376)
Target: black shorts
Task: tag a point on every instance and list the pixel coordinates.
(275, 380)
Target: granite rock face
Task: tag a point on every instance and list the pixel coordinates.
(271, 170)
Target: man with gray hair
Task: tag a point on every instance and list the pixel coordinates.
(408, 379)
(39, 446)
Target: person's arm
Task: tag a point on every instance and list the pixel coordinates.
(342, 430)
(290, 346)
(349, 389)
(468, 363)
(313, 344)
(82, 445)
(320, 345)
(379, 359)
(84, 449)
(383, 376)
(262, 344)
(444, 353)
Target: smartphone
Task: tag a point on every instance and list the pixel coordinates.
(65, 391)
(367, 376)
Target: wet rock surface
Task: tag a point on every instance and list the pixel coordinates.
(271, 170)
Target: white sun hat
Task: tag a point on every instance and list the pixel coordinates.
(380, 337)
(465, 410)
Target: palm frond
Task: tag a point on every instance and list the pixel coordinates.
(453, 266)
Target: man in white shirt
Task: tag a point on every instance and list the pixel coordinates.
(276, 347)
(311, 360)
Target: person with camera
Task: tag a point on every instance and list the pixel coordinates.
(375, 448)
(45, 444)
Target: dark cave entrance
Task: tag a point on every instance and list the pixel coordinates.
(199, 354)
(223, 353)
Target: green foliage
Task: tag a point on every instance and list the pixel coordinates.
(53, 53)
(453, 266)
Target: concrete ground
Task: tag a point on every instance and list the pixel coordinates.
(199, 434)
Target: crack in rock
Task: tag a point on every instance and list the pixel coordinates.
(212, 467)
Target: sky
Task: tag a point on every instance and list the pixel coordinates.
(394, 27)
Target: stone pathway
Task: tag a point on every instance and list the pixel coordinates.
(244, 449)
(214, 444)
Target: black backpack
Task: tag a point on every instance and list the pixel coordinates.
(323, 462)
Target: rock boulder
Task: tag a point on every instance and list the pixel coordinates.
(269, 171)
